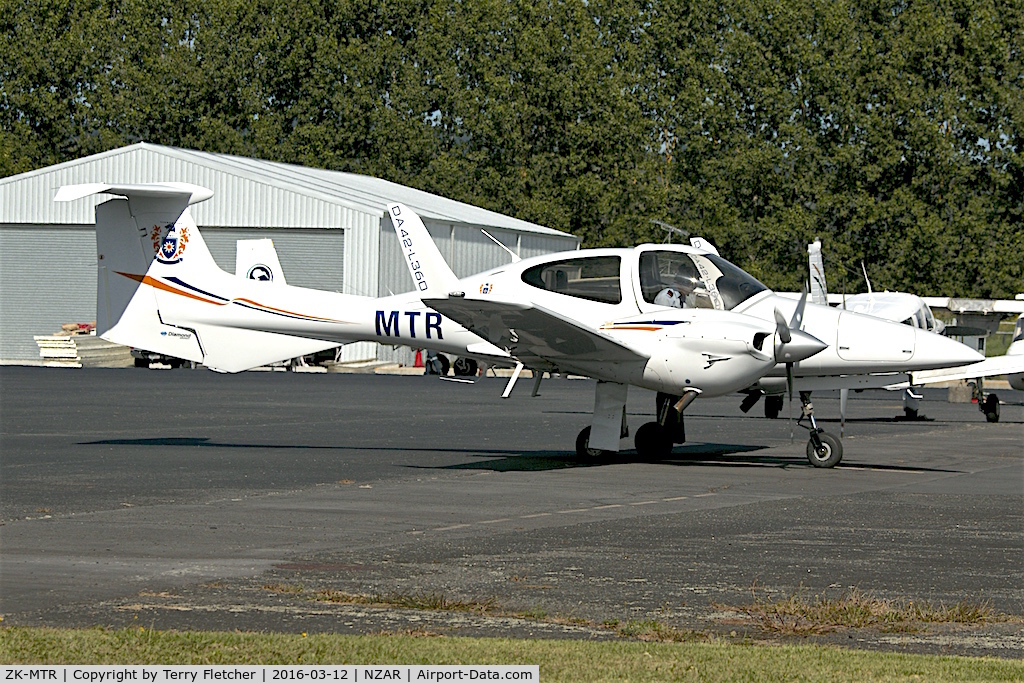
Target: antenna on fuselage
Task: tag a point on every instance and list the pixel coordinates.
(670, 230)
(514, 255)
(865, 271)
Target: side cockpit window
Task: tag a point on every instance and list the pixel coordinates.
(595, 278)
(1018, 332)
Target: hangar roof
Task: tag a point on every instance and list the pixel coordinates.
(247, 192)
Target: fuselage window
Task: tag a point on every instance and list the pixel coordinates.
(595, 278)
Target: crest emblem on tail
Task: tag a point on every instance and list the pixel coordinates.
(173, 246)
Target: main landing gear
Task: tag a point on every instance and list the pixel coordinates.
(987, 403)
(823, 450)
(656, 439)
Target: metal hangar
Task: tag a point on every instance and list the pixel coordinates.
(329, 229)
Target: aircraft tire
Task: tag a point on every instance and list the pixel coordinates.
(464, 367)
(652, 441)
(832, 451)
(773, 406)
(992, 408)
(583, 448)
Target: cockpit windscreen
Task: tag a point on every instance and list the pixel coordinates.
(684, 280)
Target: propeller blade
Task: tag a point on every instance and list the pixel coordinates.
(781, 328)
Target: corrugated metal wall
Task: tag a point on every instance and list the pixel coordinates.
(327, 228)
(238, 201)
(309, 258)
(47, 278)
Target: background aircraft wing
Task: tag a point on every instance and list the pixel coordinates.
(536, 336)
(997, 365)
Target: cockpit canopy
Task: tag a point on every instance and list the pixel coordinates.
(671, 278)
(587, 277)
(693, 280)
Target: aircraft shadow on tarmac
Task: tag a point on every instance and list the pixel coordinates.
(511, 460)
(697, 455)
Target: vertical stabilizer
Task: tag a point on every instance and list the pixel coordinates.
(431, 274)
(819, 290)
(257, 260)
(129, 232)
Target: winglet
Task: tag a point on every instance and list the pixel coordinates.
(431, 275)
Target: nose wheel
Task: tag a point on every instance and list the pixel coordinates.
(823, 450)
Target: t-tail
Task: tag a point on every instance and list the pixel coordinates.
(158, 287)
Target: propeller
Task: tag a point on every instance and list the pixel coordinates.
(793, 345)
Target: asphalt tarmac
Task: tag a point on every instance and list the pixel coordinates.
(186, 499)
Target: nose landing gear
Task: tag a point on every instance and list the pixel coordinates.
(823, 450)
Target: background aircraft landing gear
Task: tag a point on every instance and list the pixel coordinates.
(987, 403)
(990, 406)
(464, 367)
(823, 450)
(773, 405)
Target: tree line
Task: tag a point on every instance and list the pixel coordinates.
(889, 129)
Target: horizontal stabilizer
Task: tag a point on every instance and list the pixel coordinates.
(192, 193)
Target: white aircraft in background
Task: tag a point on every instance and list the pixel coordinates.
(256, 259)
(914, 311)
(595, 312)
(1016, 348)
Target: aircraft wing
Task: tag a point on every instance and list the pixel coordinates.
(997, 365)
(536, 336)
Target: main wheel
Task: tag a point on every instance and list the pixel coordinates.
(830, 453)
(652, 441)
(773, 406)
(991, 408)
(583, 448)
(464, 367)
(438, 365)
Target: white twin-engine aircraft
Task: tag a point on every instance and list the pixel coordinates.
(678, 320)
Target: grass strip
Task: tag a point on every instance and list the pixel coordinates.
(559, 660)
(800, 615)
